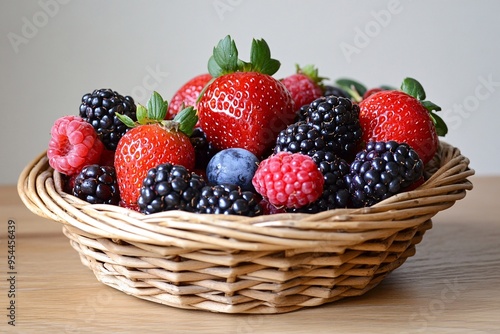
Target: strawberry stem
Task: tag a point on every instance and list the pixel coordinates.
(355, 89)
(155, 113)
(311, 72)
(224, 59)
(186, 120)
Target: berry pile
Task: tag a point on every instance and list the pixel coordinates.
(238, 141)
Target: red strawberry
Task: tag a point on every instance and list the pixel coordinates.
(152, 141)
(187, 94)
(305, 85)
(403, 116)
(244, 106)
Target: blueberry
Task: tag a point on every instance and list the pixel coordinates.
(232, 166)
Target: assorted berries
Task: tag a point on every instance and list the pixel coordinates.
(244, 106)
(152, 141)
(335, 189)
(237, 141)
(402, 116)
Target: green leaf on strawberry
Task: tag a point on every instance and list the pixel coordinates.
(355, 89)
(142, 115)
(430, 106)
(387, 87)
(441, 127)
(157, 107)
(312, 72)
(187, 120)
(224, 59)
(129, 122)
(413, 88)
(260, 58)
(155, 113)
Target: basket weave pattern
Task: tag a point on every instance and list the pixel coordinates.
(268, 264)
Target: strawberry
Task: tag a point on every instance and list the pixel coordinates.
(152, 141)
(244, 106)
(403, 116)
(305, 85)
(188, 94)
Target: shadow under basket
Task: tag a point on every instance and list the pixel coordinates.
(231, 264)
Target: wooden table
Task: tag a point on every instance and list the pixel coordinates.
(452, 284)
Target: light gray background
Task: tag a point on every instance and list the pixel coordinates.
(54, 51)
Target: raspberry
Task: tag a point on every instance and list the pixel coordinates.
(289, 179)
(73, 145)
(335, 191)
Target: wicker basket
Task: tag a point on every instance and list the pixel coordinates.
(268, 264)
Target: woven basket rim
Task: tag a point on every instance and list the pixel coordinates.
(39, 187)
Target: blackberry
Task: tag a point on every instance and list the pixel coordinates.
(170, 187)
(337, 119)
(300, 137)
(99, 108)
(381, 170)
(333, 90)
(229, 199)
(97, 185)
(305, 138)
(335, 191)
(203, 149)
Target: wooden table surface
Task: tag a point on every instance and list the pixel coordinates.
(451, 285)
